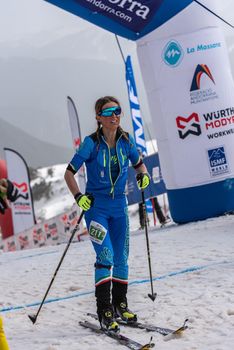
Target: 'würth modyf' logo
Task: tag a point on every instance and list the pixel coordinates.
(190, 125)
(172, 53)
(22, 190)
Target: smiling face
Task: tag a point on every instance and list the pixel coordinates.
(111, 122)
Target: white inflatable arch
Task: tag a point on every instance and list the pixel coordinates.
(187, 76)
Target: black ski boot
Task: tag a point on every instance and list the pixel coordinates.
(122, 311)
(104, 308)
(108, 321)
(119, 301)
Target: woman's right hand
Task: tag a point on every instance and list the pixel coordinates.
(84, 201)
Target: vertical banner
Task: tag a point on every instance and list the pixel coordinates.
(76, 138)
(22, 209)
(135, 109)
(136, 117)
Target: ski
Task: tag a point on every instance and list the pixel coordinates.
(122, 339)
(177, 332)
(151, 328)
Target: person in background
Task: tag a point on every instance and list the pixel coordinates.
(106, 154)
(156, 207)
(158, 210)
(8, 192)
(160, 215)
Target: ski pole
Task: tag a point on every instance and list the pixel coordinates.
(33, 318)
(153, 295)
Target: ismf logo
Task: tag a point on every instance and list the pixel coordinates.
(200, 70)
(187, 126)
(172, 53)
(22, 190)
(218, 161)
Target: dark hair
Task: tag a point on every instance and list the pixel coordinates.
(98, 107)
(103, 100)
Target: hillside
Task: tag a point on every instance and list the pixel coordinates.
(34, 150)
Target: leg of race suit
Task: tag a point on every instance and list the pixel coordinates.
(97, 224)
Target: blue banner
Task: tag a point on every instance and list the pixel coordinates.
(135, 109)
(156, 186)
(128, 18)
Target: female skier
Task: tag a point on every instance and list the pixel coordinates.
(106, 154)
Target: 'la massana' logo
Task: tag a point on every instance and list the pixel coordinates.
(172, 53)
(187, 126)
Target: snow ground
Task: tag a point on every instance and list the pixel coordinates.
(201, 288)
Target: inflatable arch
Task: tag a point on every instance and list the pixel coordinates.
(187, 76)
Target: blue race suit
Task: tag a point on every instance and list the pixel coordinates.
(107, 219)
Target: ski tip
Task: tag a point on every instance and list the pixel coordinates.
(148, 346)
(177, 333)
(32, 318)
(152, 296)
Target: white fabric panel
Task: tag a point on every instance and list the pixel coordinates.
(22, 208)
(168, 76)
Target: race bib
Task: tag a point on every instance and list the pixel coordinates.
(97, 232)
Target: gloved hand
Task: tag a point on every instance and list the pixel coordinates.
(12, 191)
(143, 180)
(84, 201)
(3, 187)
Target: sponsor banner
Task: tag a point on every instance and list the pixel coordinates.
(76, 138)
(50, 232)
(68, 221)
(39, 236)
(24, 241)
(9, 244)
(156, 186)
(129, 18)
(135, 109)
(139, 139)
(22, 208)
(195, 95)
(148, 206)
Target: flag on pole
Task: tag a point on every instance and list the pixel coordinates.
(22, 209)
(135, 109)
(136, 117)
(76, 138)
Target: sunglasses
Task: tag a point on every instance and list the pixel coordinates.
(107, 112)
